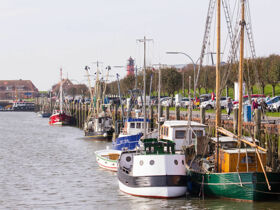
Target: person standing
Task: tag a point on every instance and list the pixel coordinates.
(229, 107)
(263, 107)
(267, 98)
(255, 105)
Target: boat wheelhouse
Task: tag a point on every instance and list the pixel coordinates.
(131, 134)
(99, 128)
(176, 130)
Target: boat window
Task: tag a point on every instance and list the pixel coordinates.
(161, 131)
(166, 131)
(180, 134)
(183, 162)
(251, 160)
(152, 162)
(176, 162)
(198, 133)
(138, 125)
(128, 159)
(132, 125)
(100, 120)
(141, 162)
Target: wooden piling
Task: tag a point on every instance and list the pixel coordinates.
(202, 115)
(235, 120)
(257, 121)
(152, 117)
(167, 113)
(177, 112)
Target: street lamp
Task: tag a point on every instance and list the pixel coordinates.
(183, 71)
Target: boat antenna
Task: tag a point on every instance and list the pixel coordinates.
(60, 92)
(87, 68)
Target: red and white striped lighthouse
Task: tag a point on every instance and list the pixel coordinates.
(130, 67)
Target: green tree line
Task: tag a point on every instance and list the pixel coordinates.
(257, 72)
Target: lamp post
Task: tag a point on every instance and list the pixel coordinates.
(183, 71)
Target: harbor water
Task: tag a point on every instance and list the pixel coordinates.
(49, 167)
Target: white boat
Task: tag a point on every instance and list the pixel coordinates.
(155, 171)
(108, 159)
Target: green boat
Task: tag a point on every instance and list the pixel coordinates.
(243, 186)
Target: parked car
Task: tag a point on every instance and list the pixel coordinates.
(202, 98)
(274, 104)
(185, 102)
(210, 104)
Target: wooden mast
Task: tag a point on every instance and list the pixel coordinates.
(241, 62)
(218, 105)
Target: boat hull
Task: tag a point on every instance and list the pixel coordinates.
(60, 119)
(100, 136)
(127, 141)
(104, 161)
(154, 192)
(161, 176)
(228, 185)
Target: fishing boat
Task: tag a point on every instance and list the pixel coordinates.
(130, 135)
(108, 159)
(154, 171)
(235, 172)
(99, 124)
(60, 117)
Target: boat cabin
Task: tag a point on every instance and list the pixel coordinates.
(248, 160)
(135, 125)
(176, 130)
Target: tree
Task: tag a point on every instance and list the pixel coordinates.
(171, 80)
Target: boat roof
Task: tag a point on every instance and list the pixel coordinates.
(242, 150)
(182, 123)
(137, 120)
(227, 139)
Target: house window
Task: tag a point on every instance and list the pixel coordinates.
(180, 134)
(132, 125)
(9, 87)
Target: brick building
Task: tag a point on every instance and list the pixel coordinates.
(17, 89)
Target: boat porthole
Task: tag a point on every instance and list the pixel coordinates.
(176, 162)
(105, 162)
(113, 164)
(141, 162)
(97, 158)
(128, 159)
(183, 162)
(152, 162)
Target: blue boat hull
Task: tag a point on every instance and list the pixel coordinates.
(128, 142)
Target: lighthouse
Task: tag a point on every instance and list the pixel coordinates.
(130, 67)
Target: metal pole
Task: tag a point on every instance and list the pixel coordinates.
(145, 120)
(183, 83)
(145, 123)
(159, 86)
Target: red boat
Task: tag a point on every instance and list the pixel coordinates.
(59, 118)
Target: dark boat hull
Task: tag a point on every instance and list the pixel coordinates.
(251, 186)
(100, 136)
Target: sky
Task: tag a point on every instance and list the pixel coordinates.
(38, 37)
